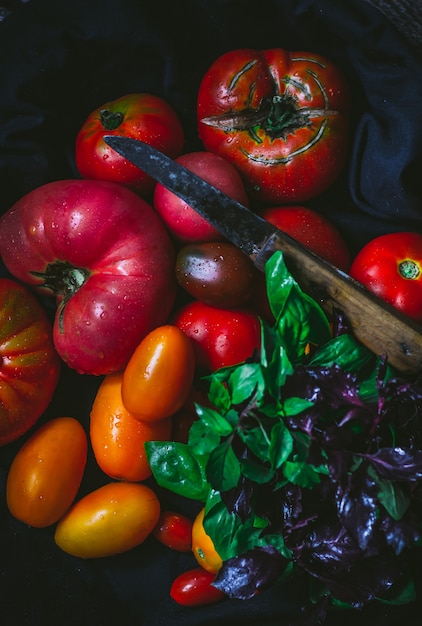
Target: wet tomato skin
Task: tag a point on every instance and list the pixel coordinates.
(174, 530)
(117, 437)
(221, 337)
(46, 473)
(217, 273)
(110, 520)
(159, 375)
(194, 588)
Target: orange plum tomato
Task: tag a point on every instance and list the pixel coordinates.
(110, 520)
(30, 365)
(183, 222)
(194, 588)
(390, 266)
(118, 438)
(159, 375)
(46, 473)
(203, 547)
(221, 337)
(174, 530)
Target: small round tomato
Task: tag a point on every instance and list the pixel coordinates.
(390, 266)
(30, 366)
(110, 520)
(203, 547)
(159, 374)
(118, 438)
(46, 473)
(217, 273)
(221, 337)
(195, 588)
(140, 116)
(312, 230)
(174, 531)
(183, 222)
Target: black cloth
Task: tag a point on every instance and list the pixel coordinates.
(59, 61)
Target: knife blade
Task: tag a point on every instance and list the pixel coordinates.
(379, 326)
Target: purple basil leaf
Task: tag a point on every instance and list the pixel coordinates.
(403, 533)
(357, 507)
(238, 499)
(243, 576)
(397, 463)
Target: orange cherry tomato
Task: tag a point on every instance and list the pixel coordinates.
(47, 471)
(174, 531)
(203, 546)
(112, 519)
(159, 375)
(118, 438)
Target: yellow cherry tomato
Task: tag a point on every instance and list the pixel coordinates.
(159, 375)
(112, 519)
(46, 473)
(203, 546)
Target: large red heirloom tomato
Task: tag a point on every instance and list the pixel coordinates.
(30, 366)
(105, 255)
(138, 115)
(280, 117)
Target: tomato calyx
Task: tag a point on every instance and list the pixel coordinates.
(63, 279)
(409, 269)
(111, 119)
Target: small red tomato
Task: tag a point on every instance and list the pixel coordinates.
(174, 531)
(194, 588)
(140, 116)
(390, 266)
(221, 337)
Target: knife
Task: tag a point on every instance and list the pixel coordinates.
(379, 326)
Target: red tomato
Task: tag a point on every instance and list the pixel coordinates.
(390, 266)
(312, 230)
(184, 223)
(46, 473)
(30, 366)
(158, 377)
(110, 520)
(221, 337)
(105, 255)
(117, 437)
(174, 531)
(194, 588)
(140, 116)
(282, 118)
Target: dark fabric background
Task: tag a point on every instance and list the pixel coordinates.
(59, 61)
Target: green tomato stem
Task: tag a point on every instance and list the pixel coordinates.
(409, 269)
(111, 120)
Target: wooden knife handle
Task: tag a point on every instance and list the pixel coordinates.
(379, 326)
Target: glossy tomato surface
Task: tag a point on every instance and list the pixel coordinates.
(30, 366)
(159, 375)
(106, 257)
(221, 337)
(216, 273)
(110, 520)
(117, 437)
(194, 588)
(184, 223)
(281, 117)
(46, 473)
(140, 116)
(390, 266)
(203, 546)
(174, 530)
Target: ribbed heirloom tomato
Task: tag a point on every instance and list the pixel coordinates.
(118, 438)
(159, 375)
(46, 473)
(29, 364)
(110, 520)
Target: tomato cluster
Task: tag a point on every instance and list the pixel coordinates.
(151, 297)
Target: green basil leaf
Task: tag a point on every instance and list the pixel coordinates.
(214, 421)
(281, 445)
(391, 496)
(257, 440)
(223, 467)
(300, 473)
(201, 439)
(257, 472)
(221, 526)
(174, 467)
(246, 381)
(218, 393)
(294, 406)
(345, 351)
